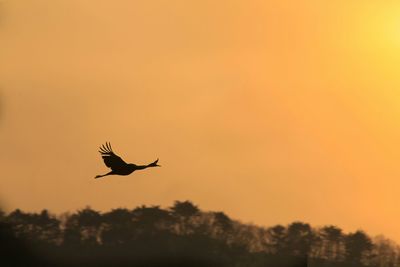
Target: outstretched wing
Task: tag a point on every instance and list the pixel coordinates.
(110, 159)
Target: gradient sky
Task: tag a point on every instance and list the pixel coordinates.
(271, 111)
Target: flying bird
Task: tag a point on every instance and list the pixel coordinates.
(117, 165)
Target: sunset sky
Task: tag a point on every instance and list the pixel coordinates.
(271, 111)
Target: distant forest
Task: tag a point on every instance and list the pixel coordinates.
(181, 235)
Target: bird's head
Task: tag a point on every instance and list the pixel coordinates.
(154, 164)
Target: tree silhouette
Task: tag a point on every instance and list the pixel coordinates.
(384, 252)
(41, 227)
(49, 227)
(277, 239)
(333, 238)
(183, 212)
(19, 221)
(118, 227)
(184, 209)
(222, 223)
(358, 245)
(151, 219)
(84, 226)
(299, 238)
(181, 235)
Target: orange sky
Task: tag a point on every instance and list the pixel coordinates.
(272, 111)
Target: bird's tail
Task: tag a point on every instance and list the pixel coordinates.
(154, 164)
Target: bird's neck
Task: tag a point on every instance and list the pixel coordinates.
(138, 167)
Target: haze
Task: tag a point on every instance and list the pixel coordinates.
(271, 111)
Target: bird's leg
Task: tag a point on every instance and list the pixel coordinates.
(99, 176)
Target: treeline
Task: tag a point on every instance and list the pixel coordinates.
(181, 235)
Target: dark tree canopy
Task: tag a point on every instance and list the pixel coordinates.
(184, 209)
(181, 235)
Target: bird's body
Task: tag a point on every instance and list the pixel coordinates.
(117, 165)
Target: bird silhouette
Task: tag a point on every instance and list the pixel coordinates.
(117, 165)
